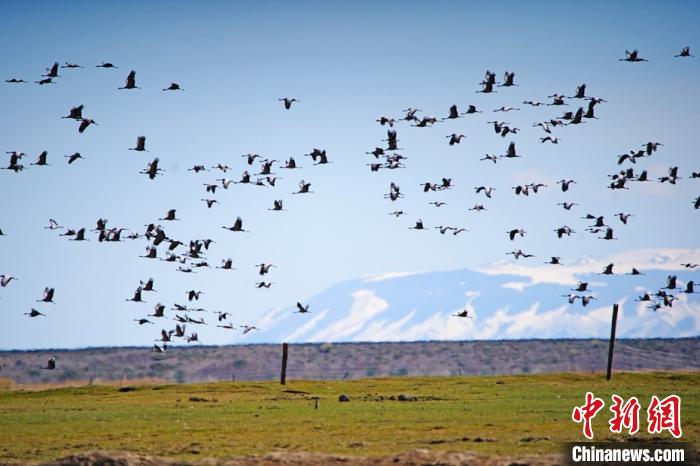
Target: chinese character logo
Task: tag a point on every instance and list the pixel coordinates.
(665, 415)
(661, 415)
(624, 415)
(587, 412)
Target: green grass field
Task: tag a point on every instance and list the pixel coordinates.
(512, 415)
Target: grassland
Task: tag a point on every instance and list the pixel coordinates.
(512, 415)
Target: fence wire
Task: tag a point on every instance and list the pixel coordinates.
(345, 361)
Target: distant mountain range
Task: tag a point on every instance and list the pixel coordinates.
(344, 360)
(507, 301)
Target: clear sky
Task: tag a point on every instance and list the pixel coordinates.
(348, 63)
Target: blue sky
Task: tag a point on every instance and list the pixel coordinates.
(348, 64)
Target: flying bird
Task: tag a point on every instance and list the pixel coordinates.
(276, 205)
(75, 113)
(170, 216)
(264, 268)
(518, 254)
(608, 234)
(6, 279)
(140, 144)
(152, 169)
(623, 217)
(455, 138)
(581, 287)
(511, 152)
(632, 56)
(580, 92)
(487, 190)
(504, 108)
(418, 226)
(147, 285)
(385, 120)
(303, 188)
(516, 231)
(137, 296)
(237, 225)
(471, 109)
(508, 80)
(288, 102)
(48, 296)
(73, 157)
(685, 52)
(565, 184)
(689, 287)
(586, 299)
(130, 81)
(565, 230)
(53, 225)
(453, 113)
(51, 364)
(52, 72)
(84, 123)
(158, 311)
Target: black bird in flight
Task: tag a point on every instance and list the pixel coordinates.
(632, 56)
(288, 101)
(48, 296)
(130, 81)
(51, 364)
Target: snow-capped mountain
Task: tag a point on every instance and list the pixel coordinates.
(506, 300)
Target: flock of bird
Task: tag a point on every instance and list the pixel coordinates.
(598, 226)
(187, 255)
(190, 255)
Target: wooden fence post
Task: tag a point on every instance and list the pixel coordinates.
(283, 375)
(611, 348)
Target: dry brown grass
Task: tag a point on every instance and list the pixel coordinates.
(9, 384)
(6, 384)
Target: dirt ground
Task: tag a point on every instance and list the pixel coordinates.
(412, 458)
